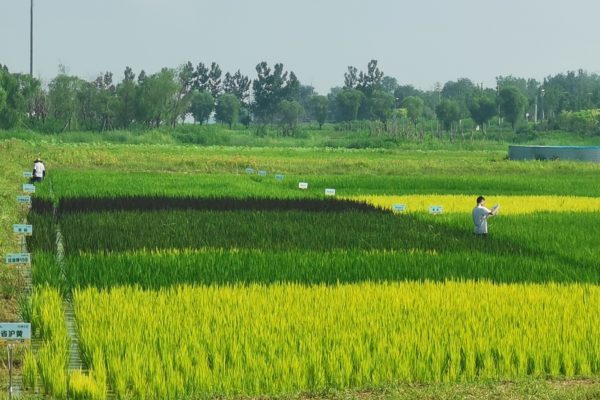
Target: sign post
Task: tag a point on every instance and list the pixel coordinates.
(436, 210)
(11, 332)
(28, 188)
(399, 208)
(262, 173)
(18, 258)
(279, 177)
(329, 192)
(24, 200)
(27, 174)
(9, 349)
(303, 185)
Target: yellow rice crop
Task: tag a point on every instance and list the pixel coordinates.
(510, 205)
(286, 338)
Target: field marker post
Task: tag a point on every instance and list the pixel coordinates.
(9, 349)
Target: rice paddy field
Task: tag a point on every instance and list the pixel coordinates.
(189, 277)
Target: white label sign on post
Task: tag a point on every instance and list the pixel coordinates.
(23, 229)
(27, 174)
(262, 173)
(18, 258)
(24, 199)
(399, 208)
(279, 177)
(19, 331)
(249, 171)
(303, 185)
(329, 192)
(436, 210)
(28, 188)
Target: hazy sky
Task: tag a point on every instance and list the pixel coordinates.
(417, 42)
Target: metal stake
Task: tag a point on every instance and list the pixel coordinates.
(9, 348)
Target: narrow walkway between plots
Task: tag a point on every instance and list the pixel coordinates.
(75, 361)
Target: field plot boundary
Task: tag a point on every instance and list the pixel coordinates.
(155, 203)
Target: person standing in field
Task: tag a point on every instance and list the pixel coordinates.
(39, 171)
(480, 216)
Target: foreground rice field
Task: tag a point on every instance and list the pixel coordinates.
(284, 339)
(252, 297)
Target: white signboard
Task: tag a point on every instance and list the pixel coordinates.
(262, 173)
(23, 229)
(28, 188)
(329, 192)
(27, 174)
(303, 185)
(10, 331)
(435, 210)
(18, 258)
(24, 199)
(399, 208)
(249, 171)
(279, 177)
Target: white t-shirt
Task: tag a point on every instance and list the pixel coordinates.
(38, 169)
(480, 216)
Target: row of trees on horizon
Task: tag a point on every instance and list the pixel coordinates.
(203, 92)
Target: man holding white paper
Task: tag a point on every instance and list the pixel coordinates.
(481, 214)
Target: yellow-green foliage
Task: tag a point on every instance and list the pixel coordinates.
(29, 371)
(510, 205)
(49, 323)
(286, 338)
(85, 387)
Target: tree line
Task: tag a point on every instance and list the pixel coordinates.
(276, 96)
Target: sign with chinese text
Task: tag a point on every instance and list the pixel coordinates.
(19, 331)
(23, 229)
(18, 258)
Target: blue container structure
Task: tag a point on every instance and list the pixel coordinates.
(570, 153)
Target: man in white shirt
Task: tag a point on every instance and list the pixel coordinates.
(480, 216)
(39, 170)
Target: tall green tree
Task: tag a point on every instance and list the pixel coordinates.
(319, 107)
(482, 108)
(18, 93)
(227, 110)
(448, 112)
(348, 102)
(203, 104)
(157, 97)
(237, 85)
(271, 87)
(126, 91)
(290, 114)
(512, 104)
(414, 108)
(381, 104)
(63, 98)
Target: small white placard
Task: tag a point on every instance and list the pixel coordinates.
(262, 173)
(23, 229)
(24, 199)
(18, 258)
(279, 177)
(249, 171)
(10, 331)
(435, 210)
(28, 188)
(329, 192)
(303, 185)
(399, 208)
(27, 174)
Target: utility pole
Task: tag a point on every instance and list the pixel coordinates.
(31, 41)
